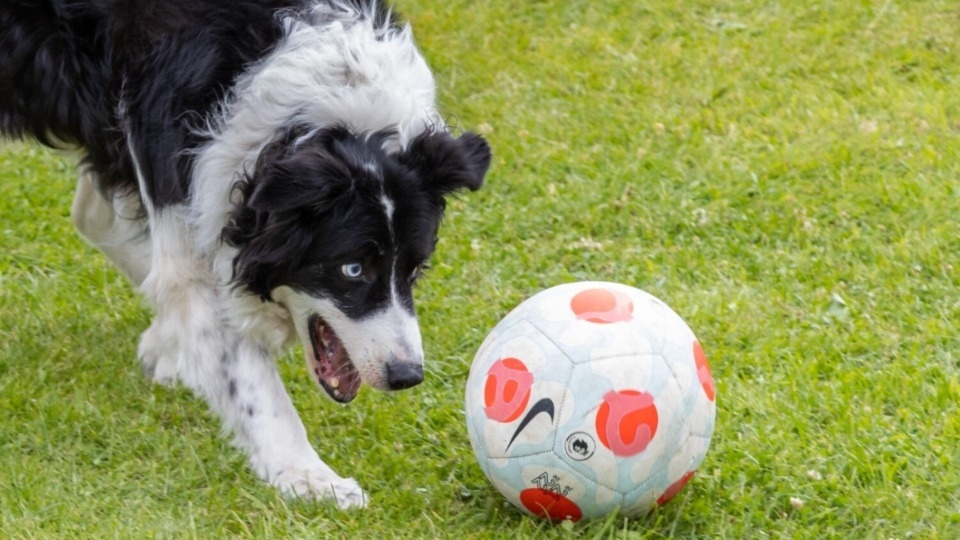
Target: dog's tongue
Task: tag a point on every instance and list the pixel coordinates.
(333, 368)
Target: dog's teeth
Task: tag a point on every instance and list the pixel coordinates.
(334, 383)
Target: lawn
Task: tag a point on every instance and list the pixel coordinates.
(784, 174)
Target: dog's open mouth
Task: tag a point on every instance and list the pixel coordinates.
(331, 364)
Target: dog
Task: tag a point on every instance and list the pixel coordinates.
(265, 172)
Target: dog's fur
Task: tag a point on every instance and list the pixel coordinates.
(264, 170)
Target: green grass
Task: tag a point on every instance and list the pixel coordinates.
(784, 174)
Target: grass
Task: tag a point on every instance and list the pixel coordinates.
(784, 174)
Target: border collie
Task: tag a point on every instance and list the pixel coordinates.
(265, 171)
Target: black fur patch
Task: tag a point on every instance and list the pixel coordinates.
(67, 67)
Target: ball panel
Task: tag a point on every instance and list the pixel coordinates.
(515, 393)
(671, 476)
(703, 371)
(687, 458)
(642, 499)
(678, 355)
(646, 380)
(579, 447)
(702, 416)
(631, 326)
(549, 505)
(507, 390)
(533, 433)
(627, 421)
(602, 305)
(674, 488)
(504, 474)
(640, 503)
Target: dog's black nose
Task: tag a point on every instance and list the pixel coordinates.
(401, 375)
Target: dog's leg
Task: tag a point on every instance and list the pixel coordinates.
(115, 227)
(255, 405)
(193, 341)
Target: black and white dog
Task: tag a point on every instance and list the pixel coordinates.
(264, 170)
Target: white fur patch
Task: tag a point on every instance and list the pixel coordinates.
(388, 209)
(331, 68)
(113, 226)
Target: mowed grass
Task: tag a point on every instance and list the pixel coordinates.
(784, 174)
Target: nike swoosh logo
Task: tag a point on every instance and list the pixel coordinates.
(545, 405)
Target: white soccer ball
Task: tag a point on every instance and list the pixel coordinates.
(587, 398)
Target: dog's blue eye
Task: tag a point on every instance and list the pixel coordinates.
(352, 270)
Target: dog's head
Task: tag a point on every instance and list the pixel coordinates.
(337, 229)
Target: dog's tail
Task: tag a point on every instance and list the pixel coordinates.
(54, 71)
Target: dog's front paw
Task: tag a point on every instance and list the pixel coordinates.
(156, 356)
(321, 485)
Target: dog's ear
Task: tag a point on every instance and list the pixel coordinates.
(447, 164)
(289, 178)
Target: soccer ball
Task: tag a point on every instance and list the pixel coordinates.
(587, 398)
